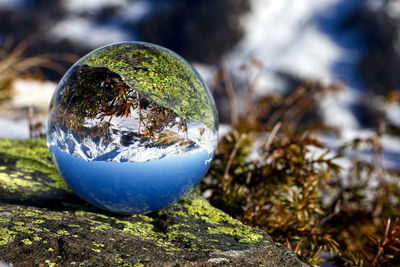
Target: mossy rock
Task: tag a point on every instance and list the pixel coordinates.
(43, 223)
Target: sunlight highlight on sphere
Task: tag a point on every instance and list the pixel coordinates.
(132, 127)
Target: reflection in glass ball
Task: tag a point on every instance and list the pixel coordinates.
(132, 127)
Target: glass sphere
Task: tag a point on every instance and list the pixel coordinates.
(132, 127)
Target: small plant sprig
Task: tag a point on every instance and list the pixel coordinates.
(371, 194)
(385, 246)
(379, 248)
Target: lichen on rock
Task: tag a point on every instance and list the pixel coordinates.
(43, 223)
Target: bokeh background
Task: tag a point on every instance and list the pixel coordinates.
(351, 43)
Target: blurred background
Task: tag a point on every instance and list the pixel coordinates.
(277, 45)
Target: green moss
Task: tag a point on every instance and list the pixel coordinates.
(100, 226)
(26, 241)
(62, 232)
(180, 213)
(177, 230)
(13, 184)
(52, 217)
(22, 229)
(141, 229)
(50, 264)
(33, 155)
(99, 245)
(6, 236)
(95, 225)
(143, 217)
(145, 231)
(32, 165)
(28, 213)
(30, 148)
(245, 232)
(37, 221)
(201, 208)
(118, 259)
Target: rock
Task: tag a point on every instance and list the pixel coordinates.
(43, 223)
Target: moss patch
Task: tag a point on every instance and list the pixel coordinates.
(6, 236)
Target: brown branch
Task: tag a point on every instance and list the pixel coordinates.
(269, 140)
(139, 111)
(231, 95)
(232, 156)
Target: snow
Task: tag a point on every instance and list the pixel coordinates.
(27, 93)
(14, 129)
(299, 37)
(32, 93)
(390, 144)
(83, 31)
(136, 11)
(80, 29)
(394, 9)
(284, 35)
(336, 112)
(393, 113)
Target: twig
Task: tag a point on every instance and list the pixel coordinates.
(377, 153)
(231, 95)
(272, 135)
(232, 156)
(30, 120)
(251, 87)
(269, 140)
(139, 111)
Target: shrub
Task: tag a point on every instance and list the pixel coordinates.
(271, 171)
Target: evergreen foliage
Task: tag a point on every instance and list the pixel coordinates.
(272, 171)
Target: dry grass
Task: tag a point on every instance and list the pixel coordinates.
(14, 64)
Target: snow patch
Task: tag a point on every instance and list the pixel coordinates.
(284, 35)
(392, 111)
(14, 129)
(136, 11)
(335, 109)
(83, 31)
(34, 93)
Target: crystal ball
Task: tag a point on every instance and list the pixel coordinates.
(132, 127)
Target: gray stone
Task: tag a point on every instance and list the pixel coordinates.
(43, 223)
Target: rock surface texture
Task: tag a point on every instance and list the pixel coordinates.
(43, 223)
